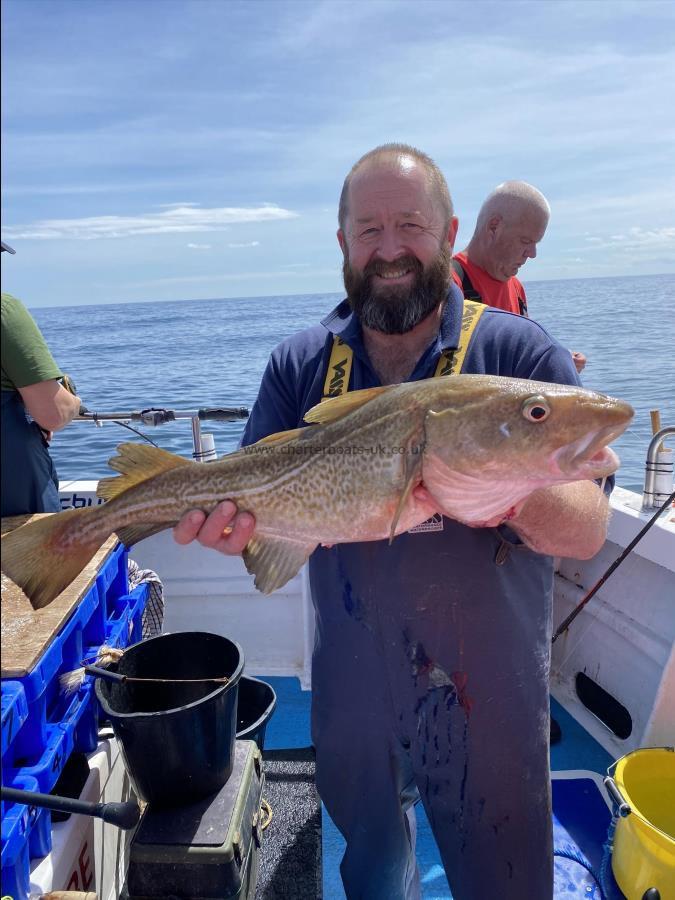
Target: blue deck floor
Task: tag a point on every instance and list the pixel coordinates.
(289, 727)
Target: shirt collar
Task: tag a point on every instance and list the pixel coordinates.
(342, 322)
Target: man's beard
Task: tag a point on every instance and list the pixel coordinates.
(398, 309)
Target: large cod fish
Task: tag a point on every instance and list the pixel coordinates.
(479, 444)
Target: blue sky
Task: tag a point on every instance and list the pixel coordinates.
(183, 149)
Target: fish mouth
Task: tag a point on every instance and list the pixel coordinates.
(590, 454)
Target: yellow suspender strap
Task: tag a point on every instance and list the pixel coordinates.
(450, 362)
(339, 369)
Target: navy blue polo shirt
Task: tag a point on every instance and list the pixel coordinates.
(502, 344)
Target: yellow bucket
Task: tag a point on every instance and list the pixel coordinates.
(644, 841)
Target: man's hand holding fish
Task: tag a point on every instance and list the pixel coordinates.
(224, 529)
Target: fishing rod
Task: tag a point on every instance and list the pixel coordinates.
(617, 562)
(154, 416)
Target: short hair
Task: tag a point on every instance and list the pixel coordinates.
(510, 200)
(437, 182)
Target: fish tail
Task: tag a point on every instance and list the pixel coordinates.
(44, 556)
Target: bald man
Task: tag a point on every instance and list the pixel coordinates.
(510, 224)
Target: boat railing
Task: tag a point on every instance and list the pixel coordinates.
(658, 471)
(153, 417)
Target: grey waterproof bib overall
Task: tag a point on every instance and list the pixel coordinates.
(430, 678)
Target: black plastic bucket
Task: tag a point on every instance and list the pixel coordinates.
(257, 701)
(177, 739)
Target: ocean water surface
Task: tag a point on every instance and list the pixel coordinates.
(197, 353)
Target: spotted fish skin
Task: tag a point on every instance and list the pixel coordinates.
(479, 444)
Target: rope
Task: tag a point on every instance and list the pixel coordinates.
(576, 857)
(265, 807)
(607, 849)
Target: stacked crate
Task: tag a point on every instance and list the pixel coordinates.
(42, 724)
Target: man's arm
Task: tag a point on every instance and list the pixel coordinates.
(564, 520)
(31, 369)
(50, 404)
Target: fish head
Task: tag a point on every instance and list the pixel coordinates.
(519, 429)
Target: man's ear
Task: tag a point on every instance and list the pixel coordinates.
(342, 241)
(452, 231)
(493, 226)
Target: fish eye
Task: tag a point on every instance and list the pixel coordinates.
(536, 409)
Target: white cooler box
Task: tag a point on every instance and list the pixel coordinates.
(88, 854)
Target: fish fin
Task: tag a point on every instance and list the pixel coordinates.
(43, 556)
(137, 463)
(280, 437)
(274, 561)
(132, 534)
(413, 465)
(336, 407)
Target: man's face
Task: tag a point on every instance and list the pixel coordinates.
(396, 245)
(513, 243)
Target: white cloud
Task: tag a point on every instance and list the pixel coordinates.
(171, 221)
(248, 244)
(200, 246)
(636, 241)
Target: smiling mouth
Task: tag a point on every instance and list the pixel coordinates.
(393, 274)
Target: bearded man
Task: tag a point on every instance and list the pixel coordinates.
(431, 658)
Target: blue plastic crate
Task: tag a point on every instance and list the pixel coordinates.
(42, 725)
(14, 711)
(26, 835)
(135, 602)
(93, 622)
(47, 765)
(124, 628)
(113, 579)
(47, 702)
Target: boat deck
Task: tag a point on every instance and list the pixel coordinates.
(289, 727)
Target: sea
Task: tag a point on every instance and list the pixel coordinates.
(190, 354)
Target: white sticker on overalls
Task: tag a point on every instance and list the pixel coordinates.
(435, 523)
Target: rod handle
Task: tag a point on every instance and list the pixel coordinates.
(106, 674)
(224, 413)
(123, 815)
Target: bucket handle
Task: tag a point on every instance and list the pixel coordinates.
(617, 798)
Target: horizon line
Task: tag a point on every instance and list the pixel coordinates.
(313, 293)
